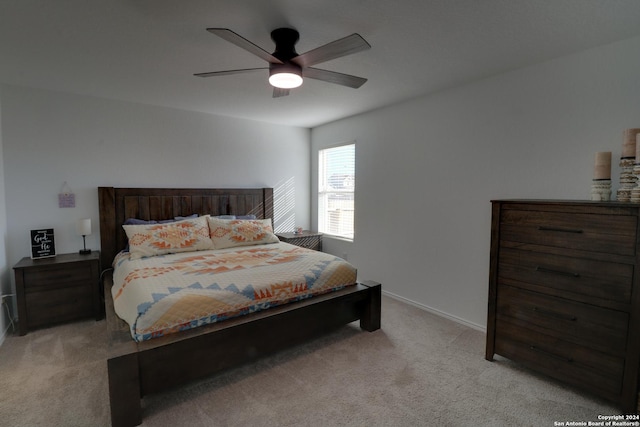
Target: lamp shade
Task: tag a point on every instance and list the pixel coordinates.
(83, 227)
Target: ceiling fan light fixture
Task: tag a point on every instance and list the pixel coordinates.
(285, 76)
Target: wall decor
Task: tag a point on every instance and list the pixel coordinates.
(66, 198)
(42, 243)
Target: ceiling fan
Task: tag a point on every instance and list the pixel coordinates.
(286, 67)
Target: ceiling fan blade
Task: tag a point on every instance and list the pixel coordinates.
(336, 49)
(240, 41)
(224, 73)
(278, 92)
(333, 77)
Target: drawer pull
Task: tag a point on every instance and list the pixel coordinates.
(555, 314)
(560, 229)
(548, 353)
(560, 272)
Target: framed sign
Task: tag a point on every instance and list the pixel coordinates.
(42, 243)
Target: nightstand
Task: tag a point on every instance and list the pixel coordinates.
(306, 239)
(58, 289)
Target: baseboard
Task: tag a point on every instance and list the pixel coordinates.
(3, 335)
(436, 312)
(5, 315)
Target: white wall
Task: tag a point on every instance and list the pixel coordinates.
(52, 137)
(5, 277)
(427, 169)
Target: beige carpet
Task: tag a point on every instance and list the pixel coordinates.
(419, 370)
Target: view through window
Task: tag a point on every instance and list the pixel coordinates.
(336, 186)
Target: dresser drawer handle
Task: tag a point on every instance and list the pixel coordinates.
(560, 272)
(562, 230)
(548, 353)
(555, 314)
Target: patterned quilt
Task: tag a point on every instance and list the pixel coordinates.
(171, 293)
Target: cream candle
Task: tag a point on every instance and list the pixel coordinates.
(629, 145)
(602, 167)
(630, 139)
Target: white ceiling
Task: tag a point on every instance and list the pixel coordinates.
(147, 50)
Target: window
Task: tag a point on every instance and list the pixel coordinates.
(336, 187)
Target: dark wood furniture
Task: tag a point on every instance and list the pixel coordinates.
(138, 369)
(305, 239)
(564, 292)
(57, 289)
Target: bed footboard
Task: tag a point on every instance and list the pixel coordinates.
(138, 369)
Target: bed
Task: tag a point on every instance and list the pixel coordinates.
(139, 368)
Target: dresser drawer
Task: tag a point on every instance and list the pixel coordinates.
(588, 280)
(56, 277)
(594, 327)
(611, 234)
(59, 305)
(573, 363)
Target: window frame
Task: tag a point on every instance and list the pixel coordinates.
(324, 190)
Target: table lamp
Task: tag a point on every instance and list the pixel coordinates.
(83, 228)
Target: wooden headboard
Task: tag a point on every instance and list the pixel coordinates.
(118, 204)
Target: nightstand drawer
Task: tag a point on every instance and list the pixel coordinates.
(55, 277)
(62, 305)
(306, 239)
(309, 243)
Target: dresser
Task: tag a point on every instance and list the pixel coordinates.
(564, 293)
(305, 239)
(58, 289)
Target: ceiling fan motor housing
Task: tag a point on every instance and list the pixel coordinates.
(285, 40)
(289, 73)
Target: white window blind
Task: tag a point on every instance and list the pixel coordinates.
(336, 187)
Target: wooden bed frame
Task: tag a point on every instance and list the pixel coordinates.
(138, 369)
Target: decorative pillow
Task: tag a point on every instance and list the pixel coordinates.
(137, 221)
(227, 233)
(250, 216)
(180, 218)
(159, 239)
